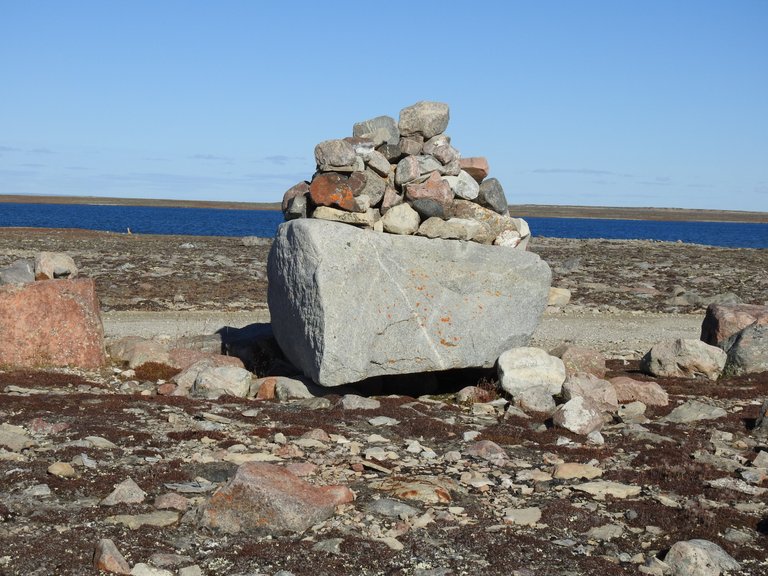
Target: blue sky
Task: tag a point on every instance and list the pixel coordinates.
(615, 102)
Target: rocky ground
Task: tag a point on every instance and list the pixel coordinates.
(156, 273)
(442, 484)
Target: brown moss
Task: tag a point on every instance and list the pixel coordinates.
(154, 371)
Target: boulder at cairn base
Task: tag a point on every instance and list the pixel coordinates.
(349, 304)
(51, 323)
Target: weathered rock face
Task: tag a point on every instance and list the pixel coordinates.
(723, 321)
(348, 304)
(51, 323)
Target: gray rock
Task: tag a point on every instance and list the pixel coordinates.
(451, 229)
(19, 272)
(297, 208)
(14, 438)
(335, 153)
(374, 187)
(127, 492)
(219, 380)
(355, 402)
(392, 508)
(436, 142)
(407, 170)
(250, 241)
(446, 154)
(300, 189)
(698, 558)
(693, 411)
(451, 168)
(382, 130)
(463, 186)
(426, 118)
(428, 208)
(521, 368)
(535, 400)
(496, 223)
(401, 219)
(377, 162)
(683, 297)
(391, 152)
(579, 416)
(55, 265)
(411, 145)
(292, 389)
(600, 392)
(761, 423)
(726, 299)
(684, 358)
(416, 305)
(428, 164)
(748, 351)
(491, 195)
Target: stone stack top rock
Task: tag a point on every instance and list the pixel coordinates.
(412, 161)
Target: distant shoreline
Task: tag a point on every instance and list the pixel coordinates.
(520, 210)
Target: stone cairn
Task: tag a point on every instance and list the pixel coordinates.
(406, 178)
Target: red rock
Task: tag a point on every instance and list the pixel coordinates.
(434, 188)
(107, 557)
(51, 323)
(166, 389)
(487, 450)
(629, 390)
(724, 320)
(172, 501)
(183, 358)
(476, 166)
(40, 426)
(333, 190)
(267, 388)
(267, 498)
(301, 468)
(578, 359)
(391, 199)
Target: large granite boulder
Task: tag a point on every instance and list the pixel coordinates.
(51, 323)
(349, 304)
(723, 321)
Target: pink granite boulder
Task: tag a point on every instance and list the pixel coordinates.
(51, 323)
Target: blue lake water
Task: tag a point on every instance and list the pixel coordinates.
(217, 222)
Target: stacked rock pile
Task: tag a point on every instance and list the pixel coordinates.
(407, 178)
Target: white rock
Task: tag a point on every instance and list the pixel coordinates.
(219, 380)
(698, 558)
(579, 416)
(524, 367)
(401, 219)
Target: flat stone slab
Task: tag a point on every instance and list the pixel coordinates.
(349, 304)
